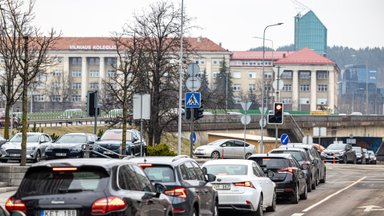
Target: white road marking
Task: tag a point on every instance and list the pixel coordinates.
(371, 208)
(332, 195)
(298, 214)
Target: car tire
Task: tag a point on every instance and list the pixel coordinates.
(324, 176)
(193, 213)
(259, 210)
(295, 197)
(314, 184)
(215, 155)
(354, 160)
(272, 208)
(309, 185)
(345, 160)
(38, 157)
(304, 196)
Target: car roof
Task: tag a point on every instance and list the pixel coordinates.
(286, 156)
(289, 148)
(228, 161)
(78, 134)
(299, 145)
(168, 160)
(106, 163)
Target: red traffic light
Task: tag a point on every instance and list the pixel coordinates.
(278, 107)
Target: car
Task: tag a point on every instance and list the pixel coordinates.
(187, 186)
(88, 186)
(372, 157)
(360, 155)
(3, 212)
(339, 152)
(316, 160)
(304, 160)
(225, 148)
(286, 173)
(365, 152)
(109, 143)
(69, 145)
(242, 186)
(36, 144)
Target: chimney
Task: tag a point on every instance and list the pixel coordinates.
(220, 44)
(199, 39)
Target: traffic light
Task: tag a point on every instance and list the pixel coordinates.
(92, 103)
(198, 113)
(187, 112)
(278, 115)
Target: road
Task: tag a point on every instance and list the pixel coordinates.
(350, 190)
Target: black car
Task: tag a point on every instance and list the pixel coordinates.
(304, 160)
(187, 186)
(360, 155)
(85, 187)
(69, 145)
(287, 174)
(339, 152)
(3, 212)
(316, 160)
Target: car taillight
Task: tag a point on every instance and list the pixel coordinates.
(108, 204)
(13, 204)
(287, 170)
(177, 192)
(244, 184)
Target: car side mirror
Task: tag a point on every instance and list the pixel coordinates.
(160, 188)
(210, 177)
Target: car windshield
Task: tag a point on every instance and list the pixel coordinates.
(69, 138)
(296, 154)
(336, 147)
(227, 169)
(160, 173)
(115, 135)
(272, 163)
(357, 149)
(30, 138)
(45, 181)
(217, 142)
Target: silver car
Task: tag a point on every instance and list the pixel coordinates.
(36, 144)
(225, 148)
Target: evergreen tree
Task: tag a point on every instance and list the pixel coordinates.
(223, 92)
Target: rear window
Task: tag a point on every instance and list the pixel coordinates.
(225, 169)
(272, 163)
(295, 154)
(45, 181)
(160, 173)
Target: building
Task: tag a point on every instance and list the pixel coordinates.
(310, 33)
(83, 62)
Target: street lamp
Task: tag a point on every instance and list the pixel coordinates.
(261, 146)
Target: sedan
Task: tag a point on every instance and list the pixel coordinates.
(36, 144)
(360, 155)
(372, 157)
(225, 148)
(69, 145)
(242, 186)
(339, 152)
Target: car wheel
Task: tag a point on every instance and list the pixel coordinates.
(38, 157)
(215, 155)
(324, 176)
(317, 179)
(247, 155)
(314, 184)
(304, 196)
(272, 208)
(193, 213)
(345, 160)
(259, 211)
(295, 197)
(309, 185)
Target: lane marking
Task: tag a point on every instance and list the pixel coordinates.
(298, 214)
(334, 194)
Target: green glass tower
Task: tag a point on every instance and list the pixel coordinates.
(310, 33)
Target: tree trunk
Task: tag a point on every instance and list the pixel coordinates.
(24, 121)
(7, 122)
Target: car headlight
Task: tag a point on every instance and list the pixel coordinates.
(323, 153)
(31, 148)
(77, 149)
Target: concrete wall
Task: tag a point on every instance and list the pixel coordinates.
(12, 174)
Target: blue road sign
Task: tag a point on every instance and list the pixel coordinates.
(192, 100)
(193, 137)
(284, 139)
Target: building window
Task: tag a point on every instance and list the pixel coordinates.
(56, 73)
(268, 88)
(305, 75)
(76, 73)
(236, 75)
(94, 61)
(287, 87)
(76, 98)
(56, 98)
(236, 87)
(268, 75)
(94, 73)
(111, 73)
(304, 87)
(38, 98)
(252, 75)
(287, 75)
(75, 61)
(215, 74)
(76, 85)
(304, 100)
(251, 87)
(217, 61)
(322, 88)
(287, 100)
(94, 85)
(322, 101)
(323, 75)
(56, 85)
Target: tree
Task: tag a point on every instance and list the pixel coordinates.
(27, 52)
(223, 90)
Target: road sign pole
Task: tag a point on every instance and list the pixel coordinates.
(192, 131)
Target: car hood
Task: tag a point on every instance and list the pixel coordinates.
(17, 145)
(66, 145)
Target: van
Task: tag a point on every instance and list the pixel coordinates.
(72, 113)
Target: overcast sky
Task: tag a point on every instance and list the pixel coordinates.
(234, 23)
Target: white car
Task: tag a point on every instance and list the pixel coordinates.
(225, 148)
(242, 186)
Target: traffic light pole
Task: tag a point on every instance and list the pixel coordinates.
(96, 105)
(192, 131)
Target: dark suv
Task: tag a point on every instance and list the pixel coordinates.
(339, 152)
(85, 187)
(188, 187)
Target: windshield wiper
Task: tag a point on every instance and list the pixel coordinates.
(72, 190)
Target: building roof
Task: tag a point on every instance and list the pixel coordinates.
(106, 43)
(305, 56)
(258, 55)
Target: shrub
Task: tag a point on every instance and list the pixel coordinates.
(160, 150)
(54, 137)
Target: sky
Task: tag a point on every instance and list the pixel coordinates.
(237, 25)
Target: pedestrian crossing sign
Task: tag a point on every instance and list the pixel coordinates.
(192, 100)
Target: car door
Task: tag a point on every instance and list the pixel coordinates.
(240, 151)
(207, 194)
(349, 152)
(267, 185)
(44, 142)
(228, 149)
(300, 175)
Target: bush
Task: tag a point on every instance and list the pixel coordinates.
(160, 150)
(54, 137)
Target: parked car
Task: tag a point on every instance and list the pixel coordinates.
(69, 145)
(111, 141)
(242, 186)
(365, 152)
(316, 160)
(360, 155)
(339, 152)
(304, 160)
(286, 173)
(88, 187)
(36, 144)
(3, 212)
(187, 186)
(372, 157)
(225, 148)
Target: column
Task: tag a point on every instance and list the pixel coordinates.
(313, 104)
(84, 78)
(66, 66)
(331, 90)
(295, 90)
(101, 71)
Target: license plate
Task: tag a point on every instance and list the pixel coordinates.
(58, 213)
(61, 154)
(15, 155)
(222, 186)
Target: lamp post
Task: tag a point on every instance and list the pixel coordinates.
(180, 80)
(261, 146)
